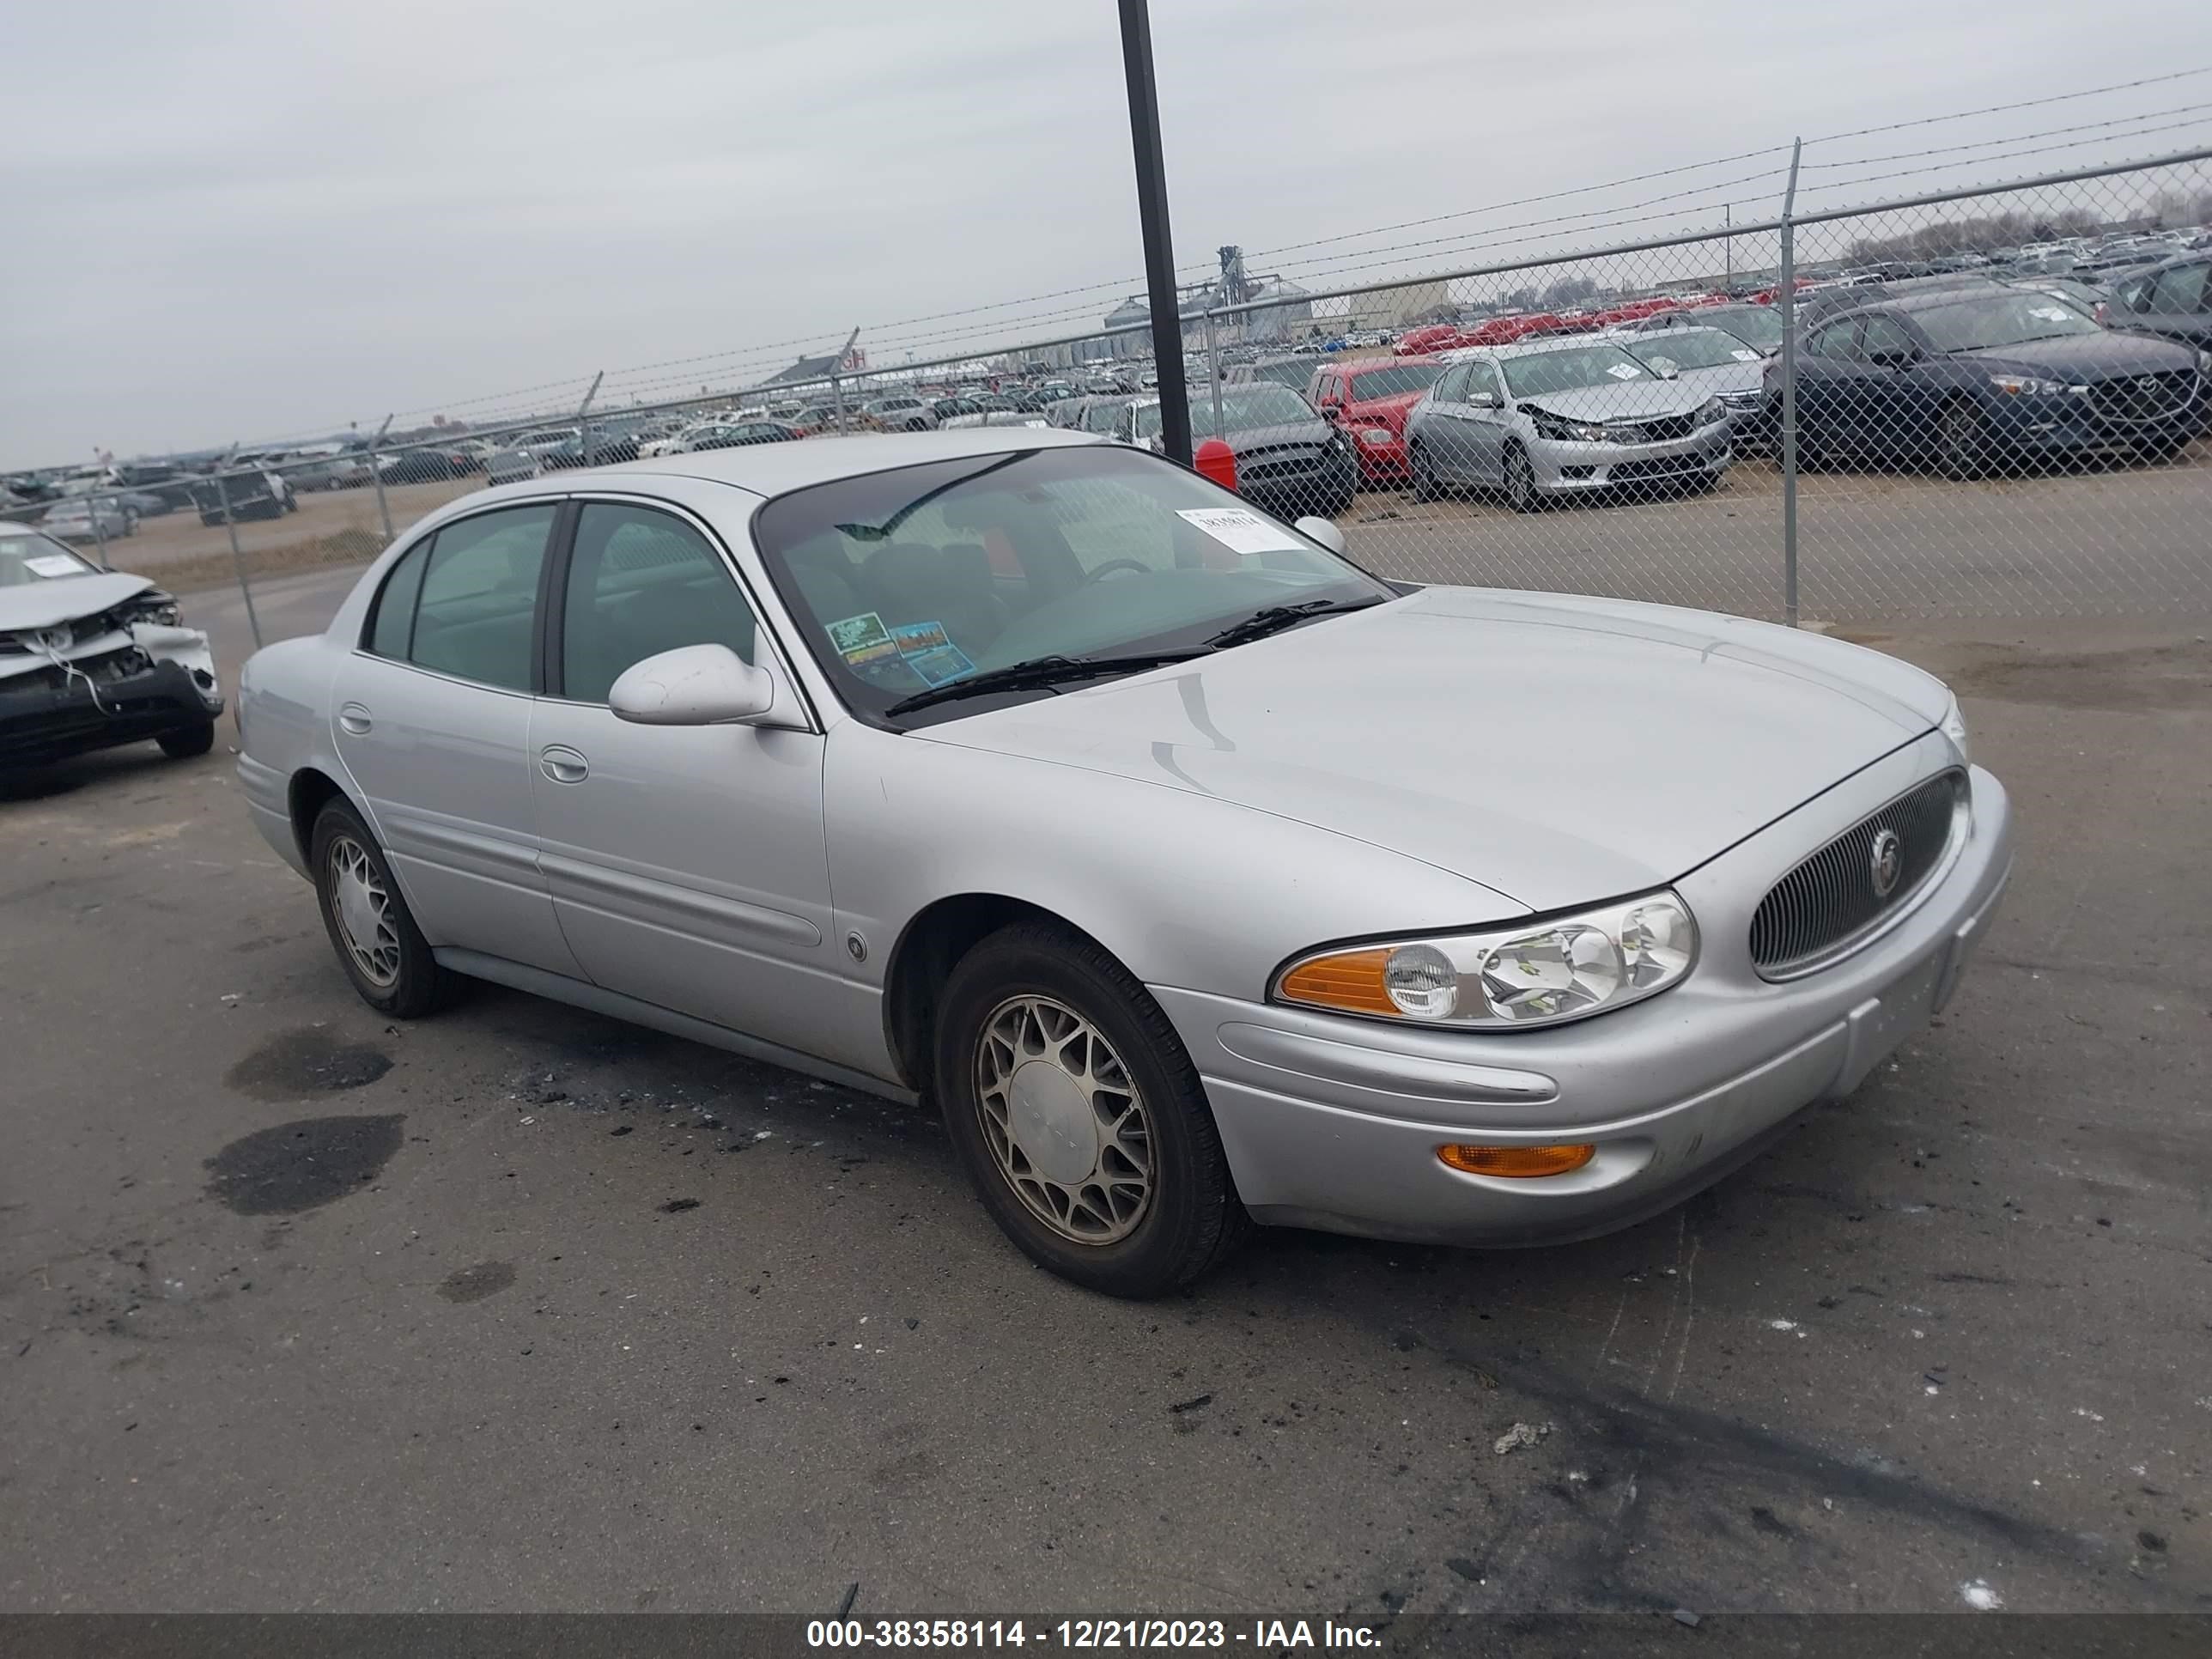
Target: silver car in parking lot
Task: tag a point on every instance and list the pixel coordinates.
(1713, 362)
(1566, 415)
(1196, 876)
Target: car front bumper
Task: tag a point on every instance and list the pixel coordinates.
(1335, 1123)
(2061, 427)
(59, 716)
(1324, 487)
(1565, 467)
(1384, 460)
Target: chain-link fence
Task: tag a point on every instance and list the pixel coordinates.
(1973, 403)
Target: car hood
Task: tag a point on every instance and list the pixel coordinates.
(1314, 431)
(1725, 377)
(2084, 357)
(45, 604)
(1623, 400)
(1390, 411)
(1559, 751)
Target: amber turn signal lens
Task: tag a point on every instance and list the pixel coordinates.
(1517, 1161)
(1351, 980)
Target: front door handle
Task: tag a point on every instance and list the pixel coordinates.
(354, 718)
(563, 764)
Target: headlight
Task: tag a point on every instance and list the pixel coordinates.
(1955, 728)
(1573, 432)
(1710, 411)
(1507, 978)
(2019, 385)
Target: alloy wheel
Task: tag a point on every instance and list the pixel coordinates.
(363, 910)
(1520, 480)
(1064, 1120)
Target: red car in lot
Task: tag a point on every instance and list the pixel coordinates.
(1368, 401)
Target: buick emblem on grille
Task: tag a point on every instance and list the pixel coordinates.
(1888, 858)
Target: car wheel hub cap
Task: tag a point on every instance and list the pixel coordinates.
(364, 912)
(1063, 1120)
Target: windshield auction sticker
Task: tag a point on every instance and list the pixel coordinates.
(54, 564)
(1240, 531)
(861, 639)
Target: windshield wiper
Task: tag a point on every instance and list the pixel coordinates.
(1276, 618)
(1037, 673)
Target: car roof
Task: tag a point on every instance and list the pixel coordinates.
(774, 469)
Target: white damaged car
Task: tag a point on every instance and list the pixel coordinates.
(90, 659)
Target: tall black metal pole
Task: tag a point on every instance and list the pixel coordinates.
(1153, 212)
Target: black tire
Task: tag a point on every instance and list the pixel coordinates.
(1520, 480)
(1962, 443)
(418, 985)
(1192, 1218)
(1425, 487)
(191, 740)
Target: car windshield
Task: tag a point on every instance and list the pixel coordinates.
(34, 558)
(1389, 382)
(2006, 319)
(1255, 403)
(1757, 326)
(1696, 348)
(920, 576)
(1571, 369)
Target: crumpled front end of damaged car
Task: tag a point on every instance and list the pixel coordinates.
(116, 675)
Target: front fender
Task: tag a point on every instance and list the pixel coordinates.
(1185, 889)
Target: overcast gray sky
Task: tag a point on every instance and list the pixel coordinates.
(239, 219)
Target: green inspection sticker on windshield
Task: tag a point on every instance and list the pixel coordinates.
(861, 639)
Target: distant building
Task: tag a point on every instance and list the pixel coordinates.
(1288, 311)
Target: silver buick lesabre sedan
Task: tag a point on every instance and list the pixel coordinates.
(1199, 877)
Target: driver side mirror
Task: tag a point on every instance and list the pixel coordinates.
(1324, 530)
(693, 685)
(1482, 400)
(1903, 359)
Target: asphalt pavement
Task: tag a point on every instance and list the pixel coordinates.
(519, 1308)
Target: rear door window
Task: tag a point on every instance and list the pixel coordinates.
(478, 613)
(2179, 292)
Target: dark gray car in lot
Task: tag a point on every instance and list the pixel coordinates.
(1288, 459)
(1981, 380)
(2172, 301)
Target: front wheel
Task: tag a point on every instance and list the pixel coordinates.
(1962, 446)
(189, 741)
(1080, 1116)
(378, 945)
(1425, 479)
(1520, 480)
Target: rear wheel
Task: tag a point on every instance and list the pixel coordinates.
(1080, 1116)
(1520, 480)
(378, 944)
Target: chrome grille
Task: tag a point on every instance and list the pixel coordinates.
(1829, 899)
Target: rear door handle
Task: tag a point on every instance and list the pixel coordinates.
(563, 764)
(354, 718)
